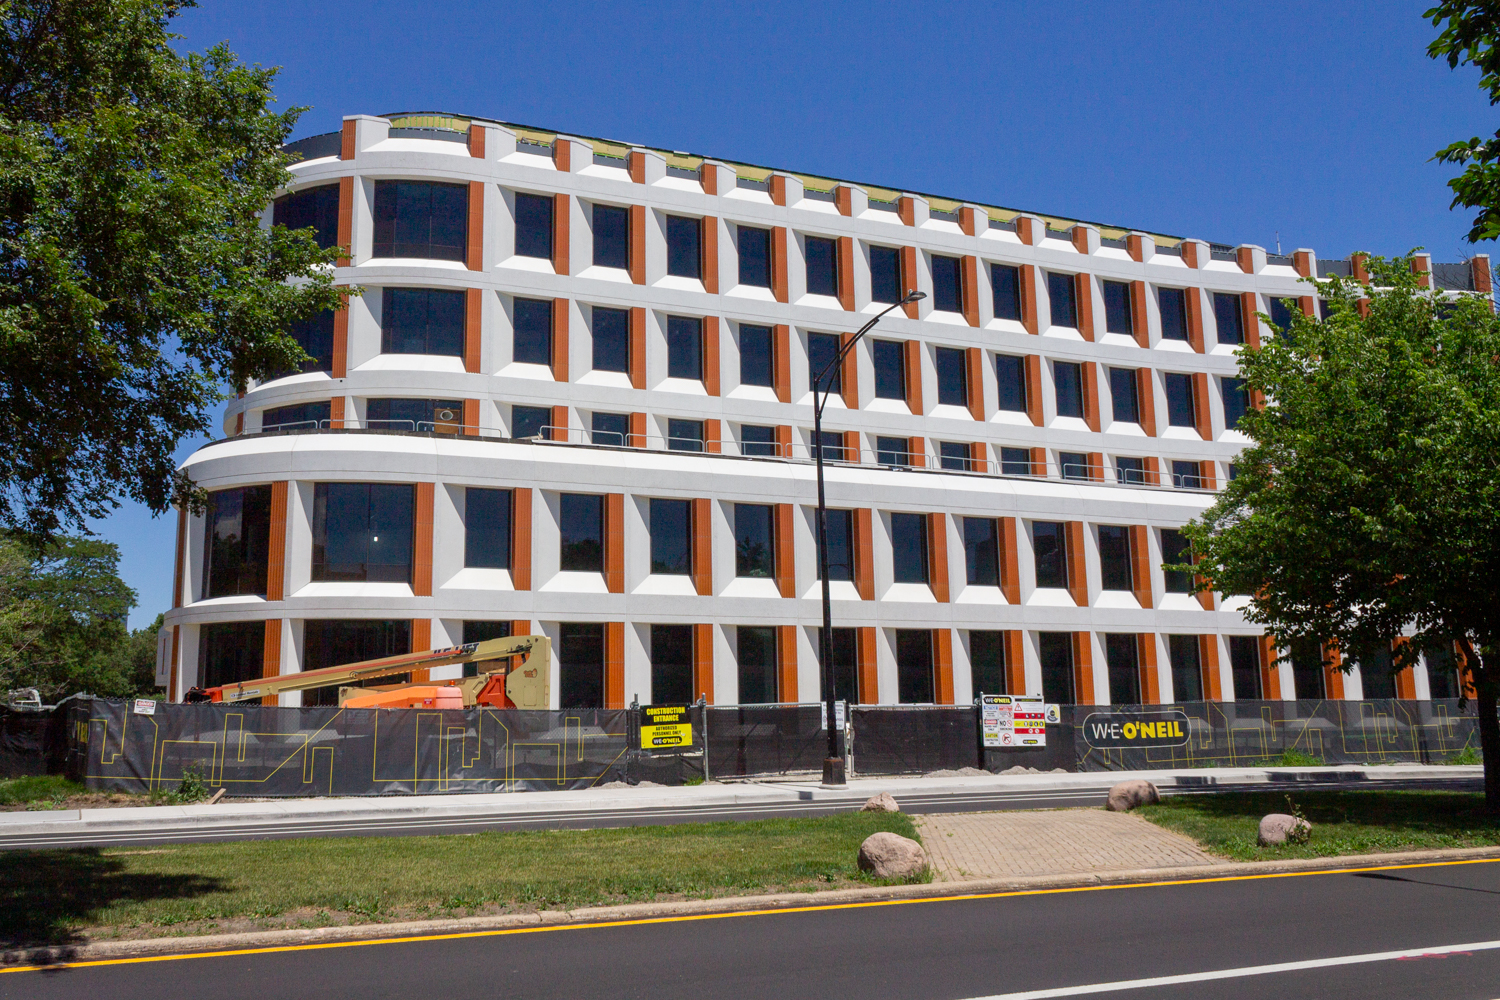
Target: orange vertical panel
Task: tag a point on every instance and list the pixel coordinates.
(1015, 662)
(1479, 271)
(1083, 294)
(421, 639)
(614, 664)
(1308, 305)
(843, 199)
(1145, 394)
(560, 317)
(560, 430)
(783, 441)
(777, 189)
(1201, 415)
(712, 439)
(1150, 679)
(1140, 564)
(1139, 319)
(1136, 247)
(1083, 668)
(970, 272)
(1208, 658)
(849, 377)
(1096, 466)
(181, 564)
(614, 542)
(336, 412)
(979, 456)
(638, 347)
(1270, 669)
(1208, 474)
(520, 546)
(637, 436)
(708, 177)
(942, 646)
(709, 251)
(340, 364)
(1091, 395)
(1249, 306)
(1406, 677)
(846, 273)
(276, 557)
(638, 244)
(635, 162)
(270, 656)
(864, 554)
(473, 323)
(1246, 259)
(1034, 389)
(1333, 676)
(1189, 251)
(974, 381)
(914, 376)
(471, 416)
(1153, 470)
(786, 662)
(865, 658)
(778, 263)
(172, 677)
(1028, 298)
(703, 662)
(702, 557)
(967, 220)
(1010, 567)
(346, 219)
(476, 141)
(937, 555)
(909, 281)
(1194, 298)
(346, 144)
(1039, 462)
(906, 208)
(916, 452)
(781, 352)
(421, 574)
(1078, 581)
(239, 424)
(474, 256)
(851, 446)
(786, 565)
(711, 355)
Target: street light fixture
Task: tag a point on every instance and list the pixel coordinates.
(833, 764)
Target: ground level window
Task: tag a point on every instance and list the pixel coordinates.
(845, 666)
(1187, 670)
(671, 664)
(1122, 654)
(755, 647)
(230, 652)
(1056, 653)
(1244, 664)
(482, 631)
(330, 642)
(580, 660)
(987, 663)
(914, 680)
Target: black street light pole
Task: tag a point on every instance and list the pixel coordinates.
(833, 764)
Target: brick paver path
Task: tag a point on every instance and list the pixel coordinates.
(1050, 841)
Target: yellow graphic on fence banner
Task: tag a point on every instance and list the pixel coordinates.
(664, 727)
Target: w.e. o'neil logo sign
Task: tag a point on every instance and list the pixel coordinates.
(1115, 732)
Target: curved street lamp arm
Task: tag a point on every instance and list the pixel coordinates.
(820, 392)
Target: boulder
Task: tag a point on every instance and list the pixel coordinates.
(882, 803)
(890, 855)
(1279, 828)
(1128, 794)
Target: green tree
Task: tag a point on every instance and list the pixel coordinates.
(1365, 507)
(1468, 34)
(136, 281)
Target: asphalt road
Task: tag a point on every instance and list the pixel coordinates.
(956, 949)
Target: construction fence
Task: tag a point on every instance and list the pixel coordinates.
(255, 750)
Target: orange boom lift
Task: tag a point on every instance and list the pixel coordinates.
(497, 681)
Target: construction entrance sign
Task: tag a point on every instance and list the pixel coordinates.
(666, 727)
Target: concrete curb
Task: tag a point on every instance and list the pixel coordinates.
(106, 950)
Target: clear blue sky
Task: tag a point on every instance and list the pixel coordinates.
(1227, 123)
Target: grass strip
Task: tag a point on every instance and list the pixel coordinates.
(1227, 823)
(52, 897)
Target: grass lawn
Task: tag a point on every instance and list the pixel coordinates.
(1342, 822)
(57, 896)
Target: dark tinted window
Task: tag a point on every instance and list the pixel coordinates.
(1173, 313)
(841, 545)
(684, 256)
(822, 266)
(315, 336)
(755, 256)
(1307, 670)
(415, 414)
(1442, 672)
(533, 336)
(671, 537)
(1244, 664)
(755, 355)
(300, 417)
(1236, 400)
(684, 435)
(528, 421)
(892, 450)
(1114, 557)
(684, 347)
(331, 642)
(754, 540)
(952, 377)
(1067, 379)
(755, 440)
(671, 664)
(230, 652)
(1179, 400)
(1006, 284)
(1073, 464)
(611, 340)
(1056, 654)
(316, 208)
(1122, 656)
(822, 348)
(533, 226)
(1124, 391)
(756, 653)
(1187, 475)
(909, 547)
(611, 429)
(580, 661)
(987, 662)
(581, 517)
(885, 274)
(1060, 291)
(1175, 548)
(890, 369)
(1050, 547)
(237, 539)
(1281, 316)
(947, 294)
(914, 666)
(421, 219)
(955, 455)
(1187, 673)
(487, 528)
(1015, 462)
(362, 532)
(1228, 318)
(611, 237)
(832, 443)
(1117, 314)
(1130, 470)
(845, 665)
(421, 321)
(982, 551)
(1010, 375)
(479, 631)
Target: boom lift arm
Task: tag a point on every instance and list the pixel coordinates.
(526, 685)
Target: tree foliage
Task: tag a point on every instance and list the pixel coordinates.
(1365, 508)
(1468, 34)
(136, 280)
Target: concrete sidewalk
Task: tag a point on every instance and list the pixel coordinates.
(613, 807)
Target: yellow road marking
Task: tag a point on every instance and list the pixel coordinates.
(683, 918)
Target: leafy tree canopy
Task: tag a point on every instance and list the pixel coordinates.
(136, 280)
(1469, 30)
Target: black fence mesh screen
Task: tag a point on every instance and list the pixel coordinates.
(911, 739)
(33, 742)
(765, 739)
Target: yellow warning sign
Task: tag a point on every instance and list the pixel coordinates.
(666, 727)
